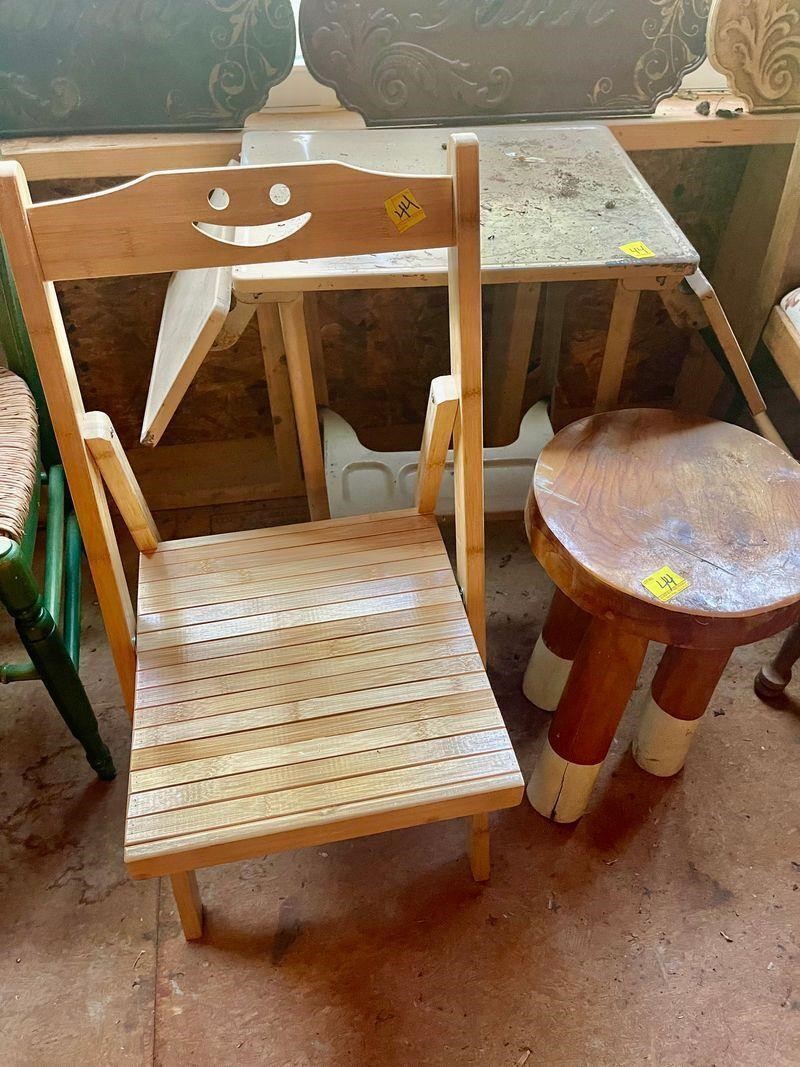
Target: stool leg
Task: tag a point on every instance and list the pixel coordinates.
(682, 687)
(479, 846)
(555, 649)
(776, 675)
(190, 907)
(601, 681)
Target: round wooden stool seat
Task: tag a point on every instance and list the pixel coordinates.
(619, 496)
(653, 526)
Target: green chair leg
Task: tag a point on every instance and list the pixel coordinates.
(43, 643)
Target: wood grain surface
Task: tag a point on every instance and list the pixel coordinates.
(618, 496)
(321, 695)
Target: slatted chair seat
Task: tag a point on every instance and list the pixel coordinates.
(19, 453)
(305, 684)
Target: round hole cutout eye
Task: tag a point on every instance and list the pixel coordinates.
(218, 199)
(280, 194)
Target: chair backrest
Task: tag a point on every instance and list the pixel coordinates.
(168, 221)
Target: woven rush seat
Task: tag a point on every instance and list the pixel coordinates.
(19, 453)
(306, 684)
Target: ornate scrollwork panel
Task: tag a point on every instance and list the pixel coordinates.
(756, 44)
(75, 66)
(402, 61)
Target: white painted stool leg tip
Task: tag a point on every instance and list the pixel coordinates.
(662, 742)
(545, 677)
(558, 789)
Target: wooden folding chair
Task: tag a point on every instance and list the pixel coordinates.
(297, 685)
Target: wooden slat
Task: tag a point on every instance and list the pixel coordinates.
(302, 533)
(340, 743)
(325, 825)
(246, 745)
(177, 563)
(294, 689)
(419, 559)
(258, 566)
(260, 679)
(318, 768)
(311, 652)
(366, 787)
(217, 620)
(320, 707)
(290, 627)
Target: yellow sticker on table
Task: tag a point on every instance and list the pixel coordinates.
(665, 584)
(404, 210)
(637, 249)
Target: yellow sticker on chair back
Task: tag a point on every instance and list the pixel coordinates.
(637, 249)
(404, 210)
(665, 584)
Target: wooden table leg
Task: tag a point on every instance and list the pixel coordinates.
(681, 689)
(620, 330)
(508, 354)
(301, 378)
(280, 394)
(311, 310)
(600, 682)
(555, 649)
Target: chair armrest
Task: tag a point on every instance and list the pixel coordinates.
(439, 420)
(105, 448)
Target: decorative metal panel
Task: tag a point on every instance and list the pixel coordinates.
(445, 61)
(80, 66)
(756, 44)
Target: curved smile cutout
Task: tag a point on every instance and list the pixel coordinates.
(253, 236)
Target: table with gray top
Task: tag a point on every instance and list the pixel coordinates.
(559, 203)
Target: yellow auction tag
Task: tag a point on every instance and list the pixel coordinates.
(637, 249)
(665, 584)
(404, 210)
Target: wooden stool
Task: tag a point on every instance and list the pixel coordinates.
(654, 527)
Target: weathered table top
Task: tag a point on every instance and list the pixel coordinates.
(557, 202)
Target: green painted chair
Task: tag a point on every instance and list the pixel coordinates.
(48, 621)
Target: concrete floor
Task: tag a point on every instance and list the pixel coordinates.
(661, 930)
